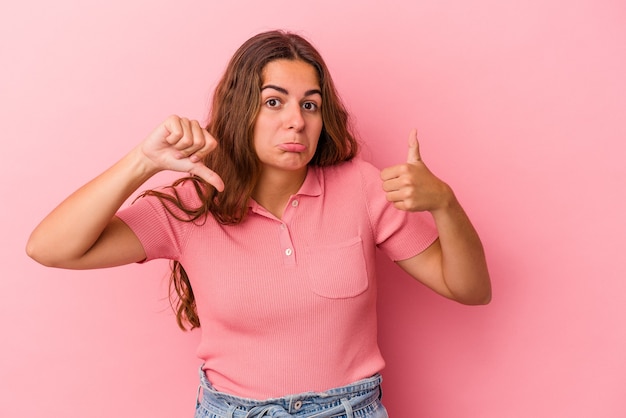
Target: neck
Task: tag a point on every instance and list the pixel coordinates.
(274, 189)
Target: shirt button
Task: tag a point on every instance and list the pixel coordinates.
(288, 251)
(294, 203)
(282, 226)
(297, 405)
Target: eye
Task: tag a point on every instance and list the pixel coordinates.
(272, 103)
(310, 106)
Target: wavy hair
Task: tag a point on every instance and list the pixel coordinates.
(236, 103)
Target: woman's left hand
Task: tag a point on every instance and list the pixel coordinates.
(455, 265)
(411, 186)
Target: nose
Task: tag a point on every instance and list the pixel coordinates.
(294, 118)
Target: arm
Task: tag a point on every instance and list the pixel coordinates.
(83, 231)
(454, 266)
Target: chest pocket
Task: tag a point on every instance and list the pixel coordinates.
(337, 271)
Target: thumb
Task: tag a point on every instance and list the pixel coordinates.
(211, 177)
(414, 148)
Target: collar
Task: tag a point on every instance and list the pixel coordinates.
(312, 186)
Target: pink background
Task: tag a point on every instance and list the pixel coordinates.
(521, 106)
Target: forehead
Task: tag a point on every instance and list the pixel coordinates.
(283, 72)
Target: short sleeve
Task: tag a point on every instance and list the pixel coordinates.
(160, 233)
(398, 234)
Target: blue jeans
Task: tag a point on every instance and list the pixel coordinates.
(357, 400)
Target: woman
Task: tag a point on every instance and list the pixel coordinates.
(273, 236)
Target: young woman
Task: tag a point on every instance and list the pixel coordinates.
(273, 235)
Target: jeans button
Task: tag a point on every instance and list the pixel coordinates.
(297, 405)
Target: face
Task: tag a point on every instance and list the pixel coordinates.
(289, 123)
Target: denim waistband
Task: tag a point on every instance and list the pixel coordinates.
(341, 401)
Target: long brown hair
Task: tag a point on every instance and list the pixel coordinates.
(236, 103)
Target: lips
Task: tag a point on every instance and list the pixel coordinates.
(292, 147)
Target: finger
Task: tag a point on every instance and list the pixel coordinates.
(414, 148)
(209, 146)
(196, 137)
(402, 201)
(401, 205)
(392, 172)
(211, 142)
(173, 129)
(191, 142)
(398, 195)
(394, 196)
(186, 140)
(392, 184)
(208, 175)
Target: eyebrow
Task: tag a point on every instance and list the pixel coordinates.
(284, 91)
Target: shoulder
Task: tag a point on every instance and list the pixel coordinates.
(356, 167)
(355, 180)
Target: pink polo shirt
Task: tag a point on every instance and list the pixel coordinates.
(288, 305)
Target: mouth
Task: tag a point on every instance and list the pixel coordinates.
(292, 147)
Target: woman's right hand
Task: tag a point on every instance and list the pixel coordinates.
(180, 144)
(83, 231)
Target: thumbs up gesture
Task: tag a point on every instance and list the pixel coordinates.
(411, 186)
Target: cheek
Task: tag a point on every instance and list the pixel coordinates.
(316, 125)
(259, 133)
(318, 133)
(315, 139)
(263, 127)
(257, 141)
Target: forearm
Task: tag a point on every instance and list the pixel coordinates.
(73, 227)
(463, 263)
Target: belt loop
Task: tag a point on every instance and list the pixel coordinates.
(347, 407)
(198, 394)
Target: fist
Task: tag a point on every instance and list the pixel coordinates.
(180, 144)
(411, 186)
